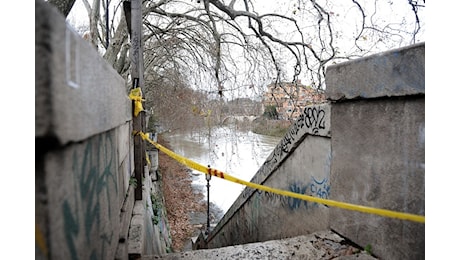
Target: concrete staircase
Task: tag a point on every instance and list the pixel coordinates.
(84, 202)
(318, 245)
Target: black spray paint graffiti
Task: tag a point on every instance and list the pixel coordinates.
(95, 172)
(273, 198)
(311, 120)
(320, 189)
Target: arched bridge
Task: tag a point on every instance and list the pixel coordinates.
(234, 119)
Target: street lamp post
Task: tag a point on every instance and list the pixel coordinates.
(208, 178)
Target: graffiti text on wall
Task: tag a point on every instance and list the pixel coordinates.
(86, 220)
(312, 120)
(320, 189)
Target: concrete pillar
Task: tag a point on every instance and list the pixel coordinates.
(378, 149)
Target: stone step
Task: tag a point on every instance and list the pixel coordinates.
(319, 245)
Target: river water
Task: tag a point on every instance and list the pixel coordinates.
(228, 149)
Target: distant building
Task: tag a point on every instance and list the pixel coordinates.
(291, 98)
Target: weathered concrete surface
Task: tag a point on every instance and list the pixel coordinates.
(378, 149)
(125, 154)
(84, 146)
(319, 245)
(149, 229)
(379, 161)
(125, 221)
(300, 163)
(78, 206)
(397, 72)
(73, 84)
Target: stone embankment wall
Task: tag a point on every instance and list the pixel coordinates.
(84, 193)
(300, 163)
(366, 147)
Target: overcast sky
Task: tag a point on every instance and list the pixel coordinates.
(347, 22)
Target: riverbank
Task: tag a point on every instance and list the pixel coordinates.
(185, 199)
(276, 128)
(186, 206)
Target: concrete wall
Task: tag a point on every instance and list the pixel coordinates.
(378, 149)
(84, 157)
(299, 163)
(366, 147)
(370, 151)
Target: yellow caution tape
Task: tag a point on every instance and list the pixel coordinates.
(136, 95)
(349, 206)
(40, 240)
(147, 158)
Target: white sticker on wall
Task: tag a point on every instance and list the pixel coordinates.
(71, 59)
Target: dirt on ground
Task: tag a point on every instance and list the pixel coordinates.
(180, 198)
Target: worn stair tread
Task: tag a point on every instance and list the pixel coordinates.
(318, 245)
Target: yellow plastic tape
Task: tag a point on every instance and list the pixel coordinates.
(147, 158)
(349, 206)
(40, 240)
(136, 95)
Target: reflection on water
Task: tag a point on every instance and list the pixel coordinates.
(235, 152)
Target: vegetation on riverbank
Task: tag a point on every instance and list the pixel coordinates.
(270, 127)
(180, 199)
(185, 206)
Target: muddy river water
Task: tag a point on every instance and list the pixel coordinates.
(228, 149)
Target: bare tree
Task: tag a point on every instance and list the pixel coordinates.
(229, 47)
